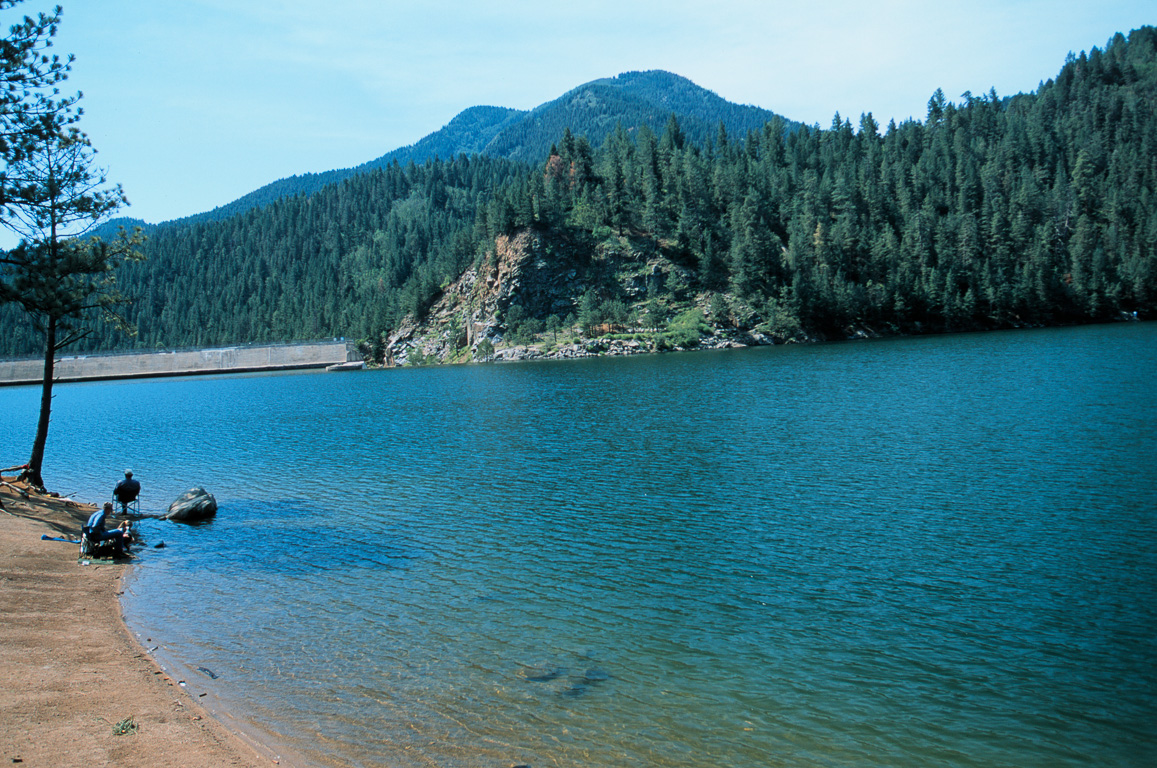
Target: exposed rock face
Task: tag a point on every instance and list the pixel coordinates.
(192, 505)
(543, 275)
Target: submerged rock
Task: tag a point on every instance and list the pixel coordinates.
(192, 505)
(595, 675)
(590, 679)
(541, 673)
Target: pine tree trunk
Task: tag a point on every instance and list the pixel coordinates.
(37, 460)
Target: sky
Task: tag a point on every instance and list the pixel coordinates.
(193, 104)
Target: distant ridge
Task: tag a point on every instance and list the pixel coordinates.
(592, 110)
(1029, 210)
(633, 99)
(471, 132)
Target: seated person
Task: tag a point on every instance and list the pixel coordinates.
(126, 491)
(95, 530)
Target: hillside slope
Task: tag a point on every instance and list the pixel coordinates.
(633, 99)
(591, 110)
(993, 212)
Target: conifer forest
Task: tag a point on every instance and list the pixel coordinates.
(991, 212)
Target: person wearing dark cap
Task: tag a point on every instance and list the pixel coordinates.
(126, 491)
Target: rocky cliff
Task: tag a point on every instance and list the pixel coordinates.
(532, 295)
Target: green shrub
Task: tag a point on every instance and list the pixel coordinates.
(684, 331)
(602, 232)
(416, 357)
(782, 322)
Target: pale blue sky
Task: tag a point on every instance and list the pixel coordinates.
(193, 104)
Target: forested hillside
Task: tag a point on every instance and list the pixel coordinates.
(992, 212)
(1035, 209)
(633, 99)
(591, 110)
(468, 133)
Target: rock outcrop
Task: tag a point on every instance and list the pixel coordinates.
(543, 276)
(193, 505)
(533, 274)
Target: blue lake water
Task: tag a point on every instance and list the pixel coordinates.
(930, 551)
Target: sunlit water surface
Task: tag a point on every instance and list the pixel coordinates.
(933, 551)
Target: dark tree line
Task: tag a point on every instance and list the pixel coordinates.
(992, 212)
(350, 260)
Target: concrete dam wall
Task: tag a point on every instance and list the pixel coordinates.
(274, 357)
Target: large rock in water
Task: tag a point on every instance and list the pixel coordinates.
(192, 505)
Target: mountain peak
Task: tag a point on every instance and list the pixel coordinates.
(592, 109)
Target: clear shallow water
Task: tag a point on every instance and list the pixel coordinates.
(911, 552)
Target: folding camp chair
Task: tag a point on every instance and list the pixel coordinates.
(127, 508)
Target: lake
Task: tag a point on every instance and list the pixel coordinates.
(911, 552)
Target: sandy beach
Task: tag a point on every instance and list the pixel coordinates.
(70, 671)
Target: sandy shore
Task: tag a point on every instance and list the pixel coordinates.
(70, 671)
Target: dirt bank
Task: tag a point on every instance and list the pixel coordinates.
(69, 669)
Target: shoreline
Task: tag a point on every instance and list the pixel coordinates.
(632, 344)
(226, 711)
(584, 348)
(71, 669)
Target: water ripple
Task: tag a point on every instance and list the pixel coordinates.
(925, 551)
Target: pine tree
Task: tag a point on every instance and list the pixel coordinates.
(28, 79)
(55, 274)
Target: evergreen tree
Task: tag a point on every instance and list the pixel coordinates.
(29, 75)
(55, 275)
(991, 212)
